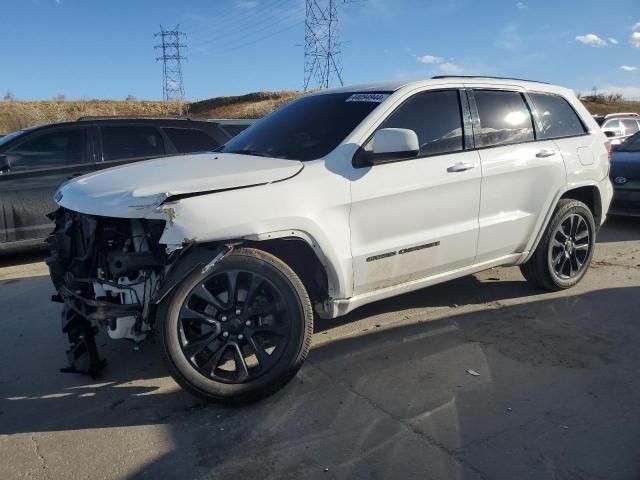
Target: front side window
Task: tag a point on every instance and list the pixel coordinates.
(435, 117)
(556, 117)
(504, 118)
(187, 140)
(130, 141)
(630, 126)
(308, 128)
(58, 148)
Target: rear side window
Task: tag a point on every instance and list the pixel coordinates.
(435, 117)
(504, 118)
(53, 149)
(188, 140)
(630, 126)
(557, 118)
(122, 142)
(613, 126)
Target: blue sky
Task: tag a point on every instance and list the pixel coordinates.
(104, 49)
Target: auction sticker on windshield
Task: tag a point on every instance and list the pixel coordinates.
(368, 97)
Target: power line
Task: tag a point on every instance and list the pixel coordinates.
(321, 44)
(226, 32)
(239, 21)
(262, 26)
(251, 42)
(172, 82)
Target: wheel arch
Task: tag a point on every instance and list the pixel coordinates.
(588, 193)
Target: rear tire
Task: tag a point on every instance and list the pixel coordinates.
(238, 333)
(564, 253)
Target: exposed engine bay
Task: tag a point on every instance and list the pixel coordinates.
(112, 273)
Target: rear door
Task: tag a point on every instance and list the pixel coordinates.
(40, 163)
(520, 174)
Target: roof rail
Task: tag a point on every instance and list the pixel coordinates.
(621, 114)
(439, 77)
(131, 117)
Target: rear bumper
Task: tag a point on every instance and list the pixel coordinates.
(626, 201)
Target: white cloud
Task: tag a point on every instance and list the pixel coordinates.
(592, 40)
(636, 26)
(521, 6)
(450, 68)
(613, 41)
(628, 68)
(429, 59)
(635, 39)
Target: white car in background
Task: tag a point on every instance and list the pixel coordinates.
(337, 199)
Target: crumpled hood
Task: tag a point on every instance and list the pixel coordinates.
(132, 190)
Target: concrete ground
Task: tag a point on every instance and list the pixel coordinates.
(384, 394)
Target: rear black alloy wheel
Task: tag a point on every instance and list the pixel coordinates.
(570, 247)
(238, 332)
(564, 252)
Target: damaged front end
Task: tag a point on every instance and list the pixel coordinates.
(112, 273)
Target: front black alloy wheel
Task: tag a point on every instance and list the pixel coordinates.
(238, 332)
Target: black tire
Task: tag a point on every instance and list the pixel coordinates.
(275, 304)
(543, 269)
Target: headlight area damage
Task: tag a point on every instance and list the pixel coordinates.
(113, 273)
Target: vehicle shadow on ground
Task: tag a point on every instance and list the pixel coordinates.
(619, 229)
(395, 401)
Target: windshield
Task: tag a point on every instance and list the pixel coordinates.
(307, 128)
(631, 145)
(11, 136)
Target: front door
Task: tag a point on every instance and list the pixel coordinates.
(415, 218)
(39, 164)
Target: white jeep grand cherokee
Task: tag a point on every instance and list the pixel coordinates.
(337, 199)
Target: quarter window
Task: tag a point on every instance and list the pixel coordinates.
(435, 117)
(504, 118)
(130, 141)
(555, 116)
(188, 140)
(55, 149)
(630, 126)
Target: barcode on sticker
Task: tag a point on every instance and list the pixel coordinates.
(368, 97)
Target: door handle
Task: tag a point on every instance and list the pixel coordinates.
(545, 152)
(460, 167)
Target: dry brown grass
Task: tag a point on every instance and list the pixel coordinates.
(15, 115)
(602, 108)
(20, 114)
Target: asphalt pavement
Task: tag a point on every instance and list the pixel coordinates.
(481, 377)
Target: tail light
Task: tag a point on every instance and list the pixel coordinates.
(608, 145)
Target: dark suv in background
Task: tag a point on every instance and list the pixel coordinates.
(35, 161)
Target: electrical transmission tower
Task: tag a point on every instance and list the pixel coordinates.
(172, 85)
(321, 44)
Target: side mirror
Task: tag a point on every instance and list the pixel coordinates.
(610, 133)
(5, 164)
(391, 144)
